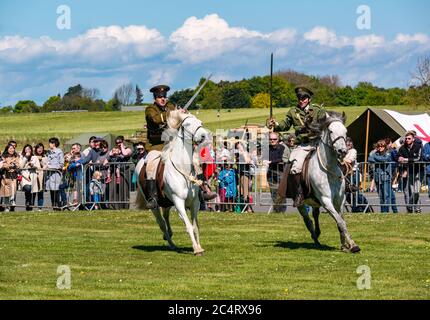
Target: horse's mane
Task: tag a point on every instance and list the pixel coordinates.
(174, 121)
(176, 117)
(317, 127)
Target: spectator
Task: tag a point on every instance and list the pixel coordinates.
(96, 189)
(76, 177)
(227, 187)
(119, 188)
(276, 168)
(66, 180)
(139, 152)
(383, 177)
(90, 146)
(39, 152)
(54, 174)
(29, 164)
(245, 165)
(426, 158)
(290, 144)
(409, 154)
(9, 177)
(223, 154)
(77, 148)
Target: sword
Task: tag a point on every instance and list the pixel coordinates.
(196, 94)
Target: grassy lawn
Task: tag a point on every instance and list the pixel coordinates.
(34, 128)
(121, 255)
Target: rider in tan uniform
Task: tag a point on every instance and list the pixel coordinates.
(156, 120)
(297, 117)
(156, 116)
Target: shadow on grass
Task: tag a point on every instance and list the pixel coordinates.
(302, 245)
(163, 248)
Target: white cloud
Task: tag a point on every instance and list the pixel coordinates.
(200, 40)
(405, 39)
(326, 37)
(113, 44)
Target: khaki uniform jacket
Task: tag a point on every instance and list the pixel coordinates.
(297, 117)
(156, 121)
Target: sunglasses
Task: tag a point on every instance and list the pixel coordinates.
(160, 96)
(273, 139)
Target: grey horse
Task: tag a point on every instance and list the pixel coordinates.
(327, 180)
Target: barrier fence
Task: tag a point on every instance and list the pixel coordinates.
(240, 187)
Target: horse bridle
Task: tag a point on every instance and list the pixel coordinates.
(335, 140)
(332, 147)
(181, 125)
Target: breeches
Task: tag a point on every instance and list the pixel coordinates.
(298, 156)
(152, 160)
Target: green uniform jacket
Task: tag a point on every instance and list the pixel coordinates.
(156, 121)
(296, 118)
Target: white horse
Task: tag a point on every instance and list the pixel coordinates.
(180, 185)
(327, 180)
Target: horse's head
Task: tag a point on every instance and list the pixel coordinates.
(188, 125)
(336, 132)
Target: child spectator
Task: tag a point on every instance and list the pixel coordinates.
(96, 189)
(228, 189)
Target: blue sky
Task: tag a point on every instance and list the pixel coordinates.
(177, 42)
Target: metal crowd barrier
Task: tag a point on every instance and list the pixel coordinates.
(389, 186)
(240, 187)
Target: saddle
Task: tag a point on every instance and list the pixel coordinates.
(162, 200)
(287, 187)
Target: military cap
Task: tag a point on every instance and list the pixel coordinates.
(160, 90)
(303, 92)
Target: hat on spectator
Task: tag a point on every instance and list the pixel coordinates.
(98, 139)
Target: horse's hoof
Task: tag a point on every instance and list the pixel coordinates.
(318, 245)
(199, 253)
(344, 248)
(355, 249)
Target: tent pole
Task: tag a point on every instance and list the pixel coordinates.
(366, 152)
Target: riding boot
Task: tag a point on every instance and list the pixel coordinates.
(206, 190)
(299, 199)
(151, 194)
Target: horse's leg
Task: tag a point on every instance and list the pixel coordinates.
(316, 215)
(194, 211)
(180, 206)
(166, 216)
(163, 226)
(347, 244)
(308, 223)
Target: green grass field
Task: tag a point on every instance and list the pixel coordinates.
(34, 128)
(121, 255)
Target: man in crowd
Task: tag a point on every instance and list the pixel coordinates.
(409, 154)
(276, 167)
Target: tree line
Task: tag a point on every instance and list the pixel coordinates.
(248, 93)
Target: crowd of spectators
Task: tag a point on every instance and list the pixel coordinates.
(98, 173)
(394, 168)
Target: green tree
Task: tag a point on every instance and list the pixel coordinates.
(261, 100)
(139, 96)
(53, 103)
(233, 96)
(74, 91)
(181, 97)
(25, 106)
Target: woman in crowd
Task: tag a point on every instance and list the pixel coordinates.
(55, 166)
(10, 166)
(119, 187)
(42, 162)
(383, 172)
(29, 164)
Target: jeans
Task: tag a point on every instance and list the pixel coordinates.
(428, 183)
(387, 196)
(411, 190)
